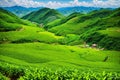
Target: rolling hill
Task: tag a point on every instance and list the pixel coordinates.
(28, 51)
(78, 21)
(43, 16)
(89, 25)
(16, 30)
(9, 21)
(61, 21)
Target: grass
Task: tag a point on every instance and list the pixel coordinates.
(36, 34)
(28, 34)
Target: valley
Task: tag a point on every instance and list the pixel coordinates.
(46, 45)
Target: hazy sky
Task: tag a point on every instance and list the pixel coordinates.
(60, 3)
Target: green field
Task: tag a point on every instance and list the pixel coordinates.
(52, 58)
(58, 51)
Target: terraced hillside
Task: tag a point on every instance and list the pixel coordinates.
(30, 52)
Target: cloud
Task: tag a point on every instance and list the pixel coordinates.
(57, 4)
(25, 3)
(107, 3)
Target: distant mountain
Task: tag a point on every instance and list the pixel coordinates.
(21, 11)
(44, 15)
(81, 9)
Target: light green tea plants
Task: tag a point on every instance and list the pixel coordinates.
(15, 72)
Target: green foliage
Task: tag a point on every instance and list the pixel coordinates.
(11, 71)
(71, 74)
(2, 77)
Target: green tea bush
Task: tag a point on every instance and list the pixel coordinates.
(13, 72)
(2, 77)
(22, 41)
(32, 73)
(68, 74)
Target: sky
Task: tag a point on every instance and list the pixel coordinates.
(61, 3)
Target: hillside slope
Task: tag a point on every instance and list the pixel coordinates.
(89, 25)
(62, 21)
(44, 16)
(9, 21)
(74, 24)
(16, 30)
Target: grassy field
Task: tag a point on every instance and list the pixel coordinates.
(28, 34)
(48, 54)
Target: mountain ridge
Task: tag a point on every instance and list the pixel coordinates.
(21, 11)
(69, 10)
(43, 15)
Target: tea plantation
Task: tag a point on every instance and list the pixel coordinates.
(29, 52)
